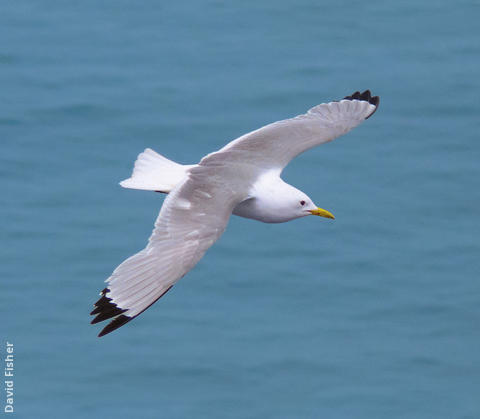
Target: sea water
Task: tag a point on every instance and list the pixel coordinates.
(373, 315)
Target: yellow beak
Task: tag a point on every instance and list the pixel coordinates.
(322, 213)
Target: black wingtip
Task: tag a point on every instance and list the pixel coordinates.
(105, 309)
(367, 97)
(115, 324)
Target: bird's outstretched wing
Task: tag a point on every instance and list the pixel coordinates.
(274, 145)
(192, 218)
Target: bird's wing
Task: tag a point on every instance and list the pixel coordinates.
(192, 218)
(274, 145)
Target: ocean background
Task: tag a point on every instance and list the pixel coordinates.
(373, 315)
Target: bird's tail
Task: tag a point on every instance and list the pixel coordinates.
(153, 172)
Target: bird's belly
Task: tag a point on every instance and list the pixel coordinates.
(250, 209)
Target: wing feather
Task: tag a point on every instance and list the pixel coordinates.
(192, 218)
(274, 145)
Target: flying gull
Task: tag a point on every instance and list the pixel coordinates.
(242, 178)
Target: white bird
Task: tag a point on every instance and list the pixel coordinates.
(242, 178)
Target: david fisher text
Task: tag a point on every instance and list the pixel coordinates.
(9, 379)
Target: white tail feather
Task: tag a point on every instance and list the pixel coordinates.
(153, 172)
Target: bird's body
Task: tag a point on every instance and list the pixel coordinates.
(242, 178)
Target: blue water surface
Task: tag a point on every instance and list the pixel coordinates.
(373, 315)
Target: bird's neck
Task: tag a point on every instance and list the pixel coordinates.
(265, 202)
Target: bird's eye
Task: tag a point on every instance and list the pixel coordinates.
(302, 203)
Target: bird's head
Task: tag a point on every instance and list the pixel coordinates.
(293, 203)
(302, 205)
